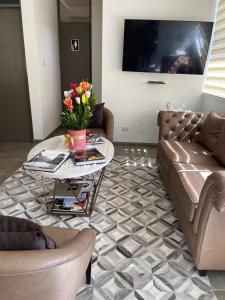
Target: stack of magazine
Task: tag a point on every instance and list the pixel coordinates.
(73, 196)
(88, 157)
(47, 160)
(94, 139)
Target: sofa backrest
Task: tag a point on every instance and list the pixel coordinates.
(180, 126)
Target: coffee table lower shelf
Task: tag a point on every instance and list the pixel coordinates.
(84, 212)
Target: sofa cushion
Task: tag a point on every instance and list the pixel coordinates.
(188, 181)
(211, 130)
(219, 152)
(97, 120)
(22, 234)
(187, 153)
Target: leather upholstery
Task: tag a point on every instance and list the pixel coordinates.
(219, 151)
(196, 184)
(188, 181)
(47, 274)
(180, 126)
(108, 127)
(108, 123)
(187, 152)
(209, 223)
(211, 131)
(98, 131)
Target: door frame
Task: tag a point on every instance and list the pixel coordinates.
(90, 28)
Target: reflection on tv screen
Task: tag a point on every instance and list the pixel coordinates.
(175, 47)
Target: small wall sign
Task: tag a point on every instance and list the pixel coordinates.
(74, 44)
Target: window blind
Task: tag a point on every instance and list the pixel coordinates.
(215, 77)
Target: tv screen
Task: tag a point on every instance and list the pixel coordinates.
(176, 47)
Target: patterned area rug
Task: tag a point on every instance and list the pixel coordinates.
(140, 250)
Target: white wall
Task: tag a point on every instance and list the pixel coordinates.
(212, 103)
(133, 102)
(40, 27)
(96, 32)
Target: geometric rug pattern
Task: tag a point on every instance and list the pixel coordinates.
(140, 250)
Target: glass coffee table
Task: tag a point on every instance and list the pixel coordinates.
(68, 173)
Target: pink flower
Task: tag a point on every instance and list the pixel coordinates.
(73, 86)
(74, 94)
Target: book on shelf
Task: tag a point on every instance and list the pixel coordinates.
(47, 160)
(86, 184)
(94, 139)
(72, 203)
(88, 157)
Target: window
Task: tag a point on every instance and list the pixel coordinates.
(215, 78)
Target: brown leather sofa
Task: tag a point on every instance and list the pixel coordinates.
(48, 274)
(108, 125)
(195, 180)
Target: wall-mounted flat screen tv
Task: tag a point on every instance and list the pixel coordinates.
(177, 47)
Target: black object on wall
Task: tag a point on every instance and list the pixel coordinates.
(176, 47)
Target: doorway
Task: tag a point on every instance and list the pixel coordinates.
(74, 41)
(15, 115)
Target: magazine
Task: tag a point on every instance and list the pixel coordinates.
(94, 139)
(47, 160)
(72, 203)
(87, 184)
(89, 156)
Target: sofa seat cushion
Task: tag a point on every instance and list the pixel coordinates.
(192, 153)
(188, 181)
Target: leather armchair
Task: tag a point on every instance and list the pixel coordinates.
(48, 274)
(108, 126)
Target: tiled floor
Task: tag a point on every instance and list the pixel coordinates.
(12, 154)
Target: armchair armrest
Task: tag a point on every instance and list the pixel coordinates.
(43, 273)
(17, 262)
(180, 126)
(108, 123)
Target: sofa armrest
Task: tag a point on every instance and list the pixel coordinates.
(108, 123)
(209, 224)
(212, 195)
(180, 126)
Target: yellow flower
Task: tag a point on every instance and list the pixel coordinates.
(79, 90)
(84, 99)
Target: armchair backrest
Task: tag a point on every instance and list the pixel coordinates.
(46, 274)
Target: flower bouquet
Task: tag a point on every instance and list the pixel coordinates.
(79, 101)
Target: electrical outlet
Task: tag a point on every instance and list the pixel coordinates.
(124, 128)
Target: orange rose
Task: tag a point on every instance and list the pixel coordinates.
(85, 85)
(69, 103)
